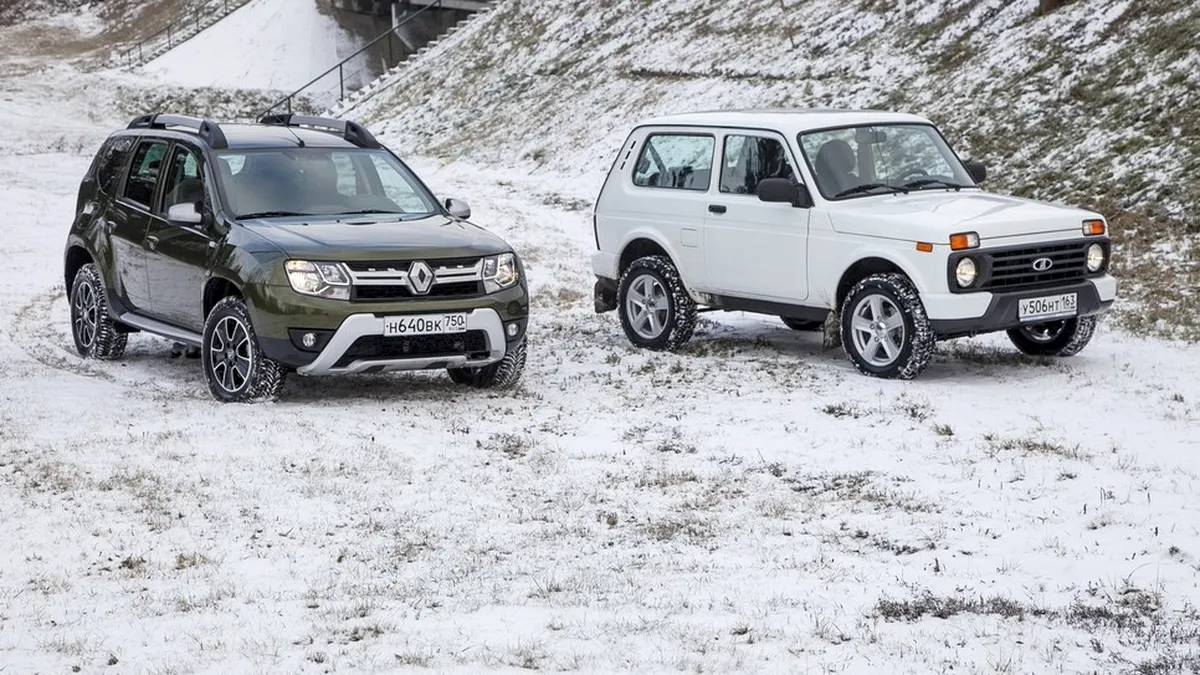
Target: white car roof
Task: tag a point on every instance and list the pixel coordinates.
(785, 120)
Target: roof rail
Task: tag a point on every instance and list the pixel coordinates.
(353, 132)
(208, 130)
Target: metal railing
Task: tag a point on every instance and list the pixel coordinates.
(340, 68)
(179, 31)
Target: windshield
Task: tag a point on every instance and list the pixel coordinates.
(319, 182)
(881, 159)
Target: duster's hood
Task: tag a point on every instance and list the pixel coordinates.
(359, 238)
(935, 215)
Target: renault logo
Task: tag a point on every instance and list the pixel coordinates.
(1042, 264)
(420, 277)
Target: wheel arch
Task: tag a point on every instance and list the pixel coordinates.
(864, 267)
(76, 257)
(216, 289)
(640, 245)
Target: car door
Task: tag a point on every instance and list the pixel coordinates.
(755, 249)
(128, 219)
(177, 253)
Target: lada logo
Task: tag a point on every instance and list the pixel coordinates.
(1042, 264)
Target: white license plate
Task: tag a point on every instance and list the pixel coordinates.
(424, 324)
(1047, 307)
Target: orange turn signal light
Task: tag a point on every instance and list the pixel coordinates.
(1093, 228)
(924, 247)
(966, 240)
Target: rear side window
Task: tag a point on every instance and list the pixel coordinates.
(143, 172)
(676, 161)
(106, 169)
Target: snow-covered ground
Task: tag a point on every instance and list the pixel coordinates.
(748, 505)
(267, 44)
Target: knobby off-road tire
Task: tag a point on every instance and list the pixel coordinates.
(885, 330)
(95, 332)
(502, 374)
(1054, 338)
(234, 365)
(801, 324)
(656, 310)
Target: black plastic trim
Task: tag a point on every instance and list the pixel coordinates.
(605, 295)
(208, 130)
(1001, 313)
(735, 304)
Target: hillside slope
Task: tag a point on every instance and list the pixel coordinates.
(1097, 103)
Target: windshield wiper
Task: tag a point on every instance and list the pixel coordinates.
(867, 187)
(269, 214)
(364, 212)
(925, 182)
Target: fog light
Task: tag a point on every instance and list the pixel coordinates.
(309, 340)
(513, 329)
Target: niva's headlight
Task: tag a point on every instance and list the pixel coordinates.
(500, 272)
(322, 279)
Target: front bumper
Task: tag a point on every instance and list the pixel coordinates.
(281, 317)
(330, 360)
(1095, 296)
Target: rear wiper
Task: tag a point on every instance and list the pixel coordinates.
(923, 182)
(867, 187)
(269, 214)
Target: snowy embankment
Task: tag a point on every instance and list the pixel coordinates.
(1096, 104)
(748, 505)
(267, 44)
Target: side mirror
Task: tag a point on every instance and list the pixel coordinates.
(184, 214)
(784, 191)
(458, 208)
(977, 170)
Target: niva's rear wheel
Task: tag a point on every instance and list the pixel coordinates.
(885, 330)
(502, 374)
(1054, 338)
(234, 365)
(95, 333)
(656, 310)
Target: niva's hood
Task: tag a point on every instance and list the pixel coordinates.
(362, 238)
(935, 215)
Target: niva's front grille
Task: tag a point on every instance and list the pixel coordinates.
(472, 343)
(1015, 268)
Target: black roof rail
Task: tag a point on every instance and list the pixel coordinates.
(353, 132)
(208, 130)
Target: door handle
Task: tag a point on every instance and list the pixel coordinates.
(717, 208)
(152, 242)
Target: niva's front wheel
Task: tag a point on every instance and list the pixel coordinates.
(1054, 338)
(234, 365)
(885, 330)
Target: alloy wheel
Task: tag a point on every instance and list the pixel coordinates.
(230, 357)
(648, 306)
(877, 328)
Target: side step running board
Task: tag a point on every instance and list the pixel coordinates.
(168, 331)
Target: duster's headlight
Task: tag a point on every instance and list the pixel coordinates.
(322, 279)
(500, 272)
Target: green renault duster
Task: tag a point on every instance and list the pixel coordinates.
(295, 244)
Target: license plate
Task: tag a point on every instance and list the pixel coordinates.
(425, 324)
(1047, 307)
